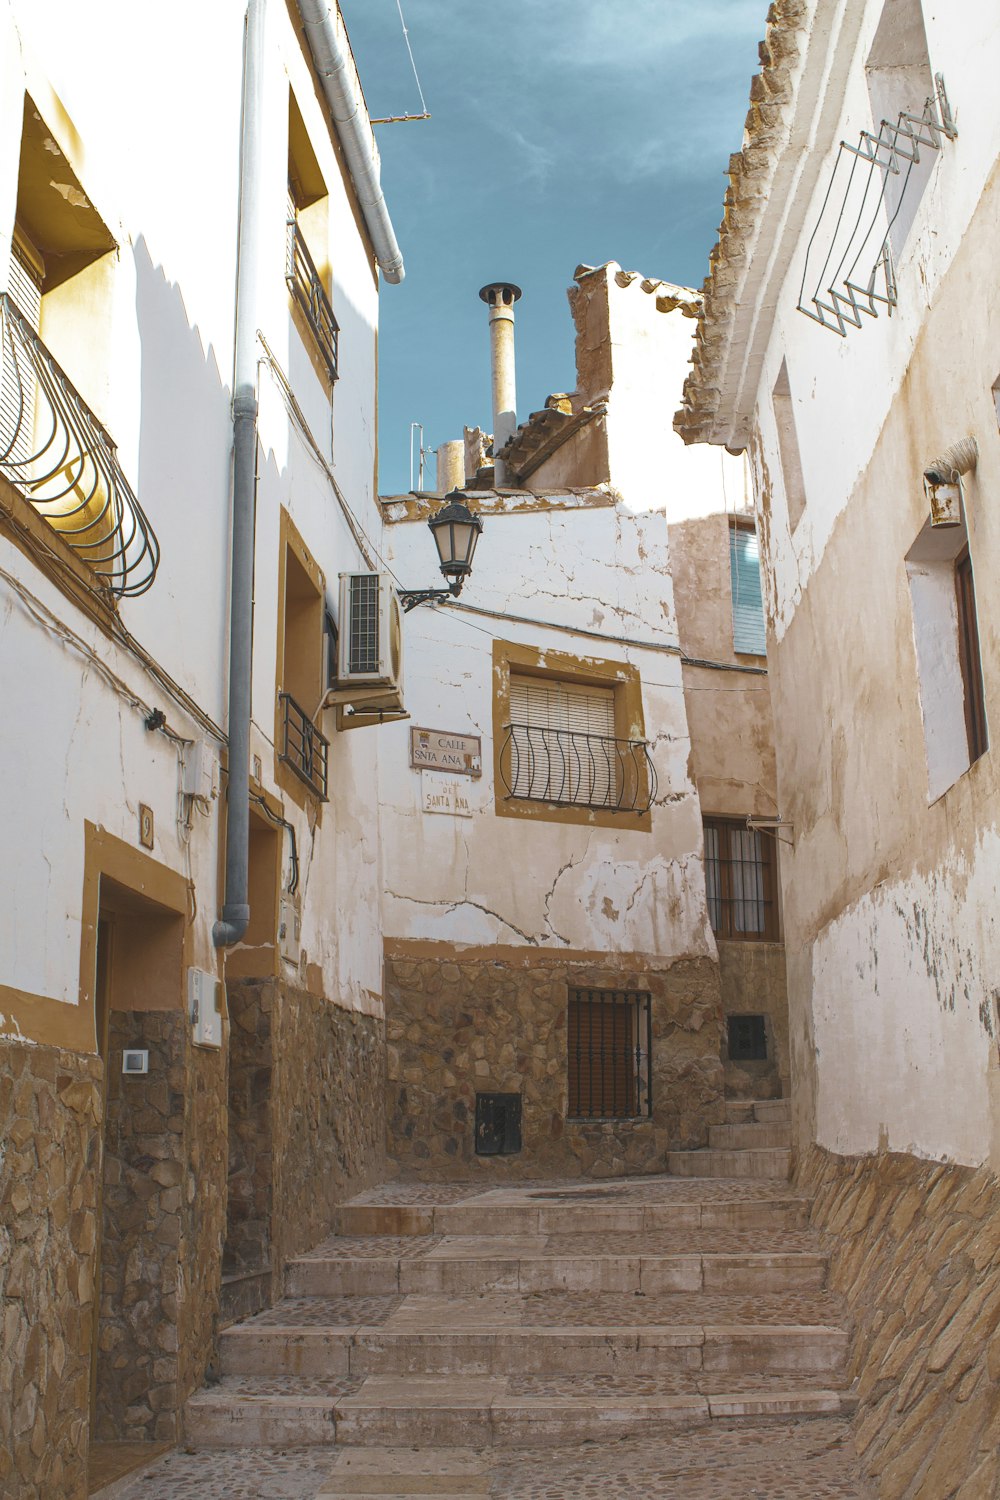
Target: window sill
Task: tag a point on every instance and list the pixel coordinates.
(581, 814)
(38, 541)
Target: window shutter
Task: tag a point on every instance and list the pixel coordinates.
(563, 741)
(748, 604)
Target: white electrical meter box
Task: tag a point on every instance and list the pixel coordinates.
(205, 1008)
(289, 930)
(135, 1060)
(199, 772)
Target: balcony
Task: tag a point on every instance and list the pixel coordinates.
(303, 747)
(307, 289)
(569, 768)
(56, 452)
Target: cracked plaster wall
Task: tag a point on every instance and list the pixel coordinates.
(486, 879)
(889, 898)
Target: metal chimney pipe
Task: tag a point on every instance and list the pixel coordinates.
(500, 297)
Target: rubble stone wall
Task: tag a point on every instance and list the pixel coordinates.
(753, 983)
(49, 1117)
(329, 1111)
(457, 1026)
(918, 1258)
(307, 1101)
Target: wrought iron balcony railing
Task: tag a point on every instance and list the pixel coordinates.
(303, 747)
(306, 287)
(60, 457)
(575, 769)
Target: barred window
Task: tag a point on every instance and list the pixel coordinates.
(740, 881)
(609, 1041)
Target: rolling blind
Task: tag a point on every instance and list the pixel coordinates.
(748, 604)
(562, 705)
(563, 742)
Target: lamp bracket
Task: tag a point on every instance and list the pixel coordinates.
(410, 598)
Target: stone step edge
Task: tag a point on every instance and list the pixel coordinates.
(218, 1418)
(415, 1220)
(387, 1276)
(690, 1335)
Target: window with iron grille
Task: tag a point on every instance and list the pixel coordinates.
(740, 881)
(747, 1038)
(609, 1046)
(561, 747)
(306, 286)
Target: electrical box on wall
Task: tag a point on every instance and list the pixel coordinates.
(205, 1008)
(135, 1060)
(289, 929)
(198, 775)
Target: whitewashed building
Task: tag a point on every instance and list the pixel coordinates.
(849, 344)
(192, 1048)
(557, 999)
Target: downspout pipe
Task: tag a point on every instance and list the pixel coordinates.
(236, 904)
(331, 55)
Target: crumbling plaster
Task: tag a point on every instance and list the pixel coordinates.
(486, 879)
(889, 896)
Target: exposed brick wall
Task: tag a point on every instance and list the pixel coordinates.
(455, 1028)
(49, 1114)
(918, 1258)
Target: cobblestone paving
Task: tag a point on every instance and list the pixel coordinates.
(663, 1383)
(812, 1460)
(633, 1190)
(789, 1461)
(327, 1312)
(373, 1247)
(236, 1474)
(333, 1386)
(607, 1309)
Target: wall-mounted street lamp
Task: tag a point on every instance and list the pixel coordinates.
(455, 531)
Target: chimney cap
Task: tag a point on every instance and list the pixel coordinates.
(512, 292)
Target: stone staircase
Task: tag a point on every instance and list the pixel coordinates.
(455, 1316)
(754, 1142)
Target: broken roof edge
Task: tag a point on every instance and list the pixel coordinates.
(751, 173)
(669, 295)
(500, 502)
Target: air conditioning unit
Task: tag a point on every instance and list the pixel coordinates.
(369, 672)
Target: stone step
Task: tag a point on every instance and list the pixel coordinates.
(750, 1137)
(488, 1411)
(460, 1265)
(764, 1111)
(540, 1333)
(770, 1162)
(721, 1459)
(628, 1209)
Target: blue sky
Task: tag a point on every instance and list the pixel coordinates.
(561, 132)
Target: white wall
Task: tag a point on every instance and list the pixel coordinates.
(501, 880)
(146, 107)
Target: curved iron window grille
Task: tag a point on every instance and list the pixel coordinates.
(58, 454)
(303, 747)
(306, 287)
(571, 768)
(858, 214)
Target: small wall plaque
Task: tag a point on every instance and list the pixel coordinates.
(442, 795)
(145, 826)
(442, 750)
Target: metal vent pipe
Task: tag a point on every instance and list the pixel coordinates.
(500, 297)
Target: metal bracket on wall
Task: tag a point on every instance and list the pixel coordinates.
(773, 826)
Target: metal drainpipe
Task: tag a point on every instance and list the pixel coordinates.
(236, 906)
(331, 55)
